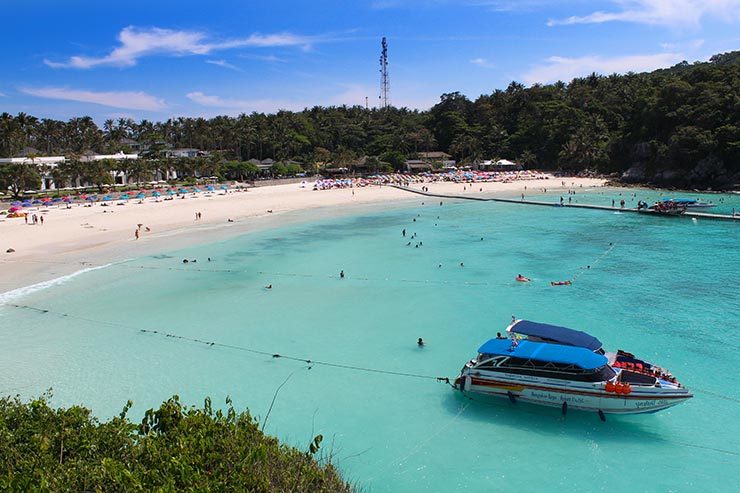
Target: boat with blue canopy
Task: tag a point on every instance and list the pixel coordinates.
(560, 367)
(553, 333)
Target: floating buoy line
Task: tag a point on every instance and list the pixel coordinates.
(274, 355)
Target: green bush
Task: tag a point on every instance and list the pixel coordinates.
(174, 448)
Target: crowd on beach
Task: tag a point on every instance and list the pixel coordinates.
(458, 176)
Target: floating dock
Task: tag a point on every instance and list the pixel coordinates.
(648, 212)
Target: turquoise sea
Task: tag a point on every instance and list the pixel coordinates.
(663, 288)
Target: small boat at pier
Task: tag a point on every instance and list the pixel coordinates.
(561, 367)
(691, 203)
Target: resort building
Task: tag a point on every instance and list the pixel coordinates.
(46, 165)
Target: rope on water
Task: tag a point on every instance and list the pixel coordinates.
(594, 263)
(274, 355)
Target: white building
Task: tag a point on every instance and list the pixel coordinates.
(46, 164)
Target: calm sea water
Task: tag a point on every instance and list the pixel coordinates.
(667, 289)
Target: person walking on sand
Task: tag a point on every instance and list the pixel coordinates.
(42, 220)
(136, 234)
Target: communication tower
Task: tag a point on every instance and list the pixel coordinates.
(384, 83)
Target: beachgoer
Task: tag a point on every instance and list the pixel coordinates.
(439, 266)
(42, 220)
(25, 216)
(341, 275)
(462, 265)
(499, 336)
(209, 259)
(403, 233)
(414, 219)
(185, 261)
(513, 319)
(269, 286)
(420, 342)
(147, 229)
(136, 234)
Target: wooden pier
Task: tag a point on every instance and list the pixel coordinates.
(694, 215)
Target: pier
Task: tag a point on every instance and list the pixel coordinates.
(694, 215)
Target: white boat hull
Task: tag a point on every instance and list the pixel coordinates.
(585, 396)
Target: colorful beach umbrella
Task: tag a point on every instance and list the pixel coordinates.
(140, 196)
(107, 198)
(156, 194)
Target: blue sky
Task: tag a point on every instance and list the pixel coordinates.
(159, 59)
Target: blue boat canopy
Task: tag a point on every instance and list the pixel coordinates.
(680, 201)
(556, 334)
(545, 352)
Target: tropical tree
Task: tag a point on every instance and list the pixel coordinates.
(19, 177)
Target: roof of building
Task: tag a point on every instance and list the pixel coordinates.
(434, 155)
(545, 352)
(554, 333)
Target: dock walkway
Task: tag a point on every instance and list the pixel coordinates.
(695, 215)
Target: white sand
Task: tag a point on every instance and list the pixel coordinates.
(72, 239)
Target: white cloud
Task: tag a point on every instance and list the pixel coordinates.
(224, 64)
(349, 94)
(675, 13)
(3, 95)
(265, 58)
(136, 43)
(565, 69)
(124, 99)
(482, 62)
(245, 105)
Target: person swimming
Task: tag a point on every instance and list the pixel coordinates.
(420, 342)
(521, 278)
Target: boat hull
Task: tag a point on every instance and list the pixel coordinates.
(584, 396)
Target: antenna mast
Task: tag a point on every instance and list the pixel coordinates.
(384, 84)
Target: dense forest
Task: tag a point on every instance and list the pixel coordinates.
(174, 448)
(677, 126)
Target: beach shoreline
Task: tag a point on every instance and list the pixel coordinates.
(80, 237)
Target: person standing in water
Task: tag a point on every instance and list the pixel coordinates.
(341, 275)
(420, 342)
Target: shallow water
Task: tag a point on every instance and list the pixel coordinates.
(665, 289)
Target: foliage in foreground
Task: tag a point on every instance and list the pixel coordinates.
(175, 448)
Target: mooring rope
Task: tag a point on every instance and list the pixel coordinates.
(274, 355)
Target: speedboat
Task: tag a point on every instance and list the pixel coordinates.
(561, 367)
(691, 203)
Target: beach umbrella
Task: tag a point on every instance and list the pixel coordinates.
(56, 200)
(46, 199)
(183, 190)
(210, 188)
(67, 199)
(15, 208)
(156, 193)
(140, 196)
(107, 198)
(91, 198)
(35, 202)
(83, 196)
(17, 202)
(170, 192)
(224, 187)
(196, 189)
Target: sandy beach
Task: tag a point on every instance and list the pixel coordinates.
(79, 237)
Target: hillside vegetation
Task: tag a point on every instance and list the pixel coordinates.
(676, 126)
(174, 448)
